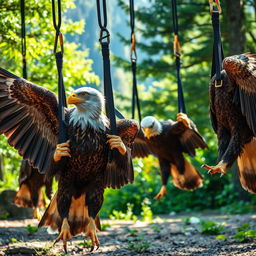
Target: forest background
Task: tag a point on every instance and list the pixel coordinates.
(156, 78)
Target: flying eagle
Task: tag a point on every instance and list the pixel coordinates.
(30, 192)
(168, 140)
(28, 118)
(233, 117)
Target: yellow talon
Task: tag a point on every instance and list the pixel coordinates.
(161, 193)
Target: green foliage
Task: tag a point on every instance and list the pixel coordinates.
(137, 242)
(221, 237)
(146, 212)
(14, 240)
(211, 228)
(128, 215)
(105, 226)
(4, 215)
(244, 234)
(86, 244)
(155, 227)
(31, 229)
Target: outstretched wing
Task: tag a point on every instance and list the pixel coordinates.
(28, 118)
(242, 69)
(120, 170)
(189, 136)
(140, 147)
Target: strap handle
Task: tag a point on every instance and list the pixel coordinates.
(177, 54)
(218, 54)
(59, 63)
(133, 57)
(23, 39)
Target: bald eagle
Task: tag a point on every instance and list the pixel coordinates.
(233, 116)
(30, 192)
(28, 118)
(168, 140)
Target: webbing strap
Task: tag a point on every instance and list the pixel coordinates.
(133, 56)
(181, 101)
(23, 39)
(218, 54)
(59, 63)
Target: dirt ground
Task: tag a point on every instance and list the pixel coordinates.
(168, 235)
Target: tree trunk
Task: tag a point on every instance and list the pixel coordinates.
(1, 167)
(235, 27)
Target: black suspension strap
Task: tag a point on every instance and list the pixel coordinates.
(23, 39)
(177, 54)
(104, 41)
(133, 56)
(59, 63)
(218, 54)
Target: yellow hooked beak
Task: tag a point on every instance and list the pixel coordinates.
(147, 132)
(74, 99)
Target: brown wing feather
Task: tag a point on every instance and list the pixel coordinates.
(140, 147)
(120, 170)
(28, 118)
(191, 139)
(242, 70)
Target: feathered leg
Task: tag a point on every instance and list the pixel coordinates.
(165, 173)
(94, 201)
(64, 196)
(231, 153)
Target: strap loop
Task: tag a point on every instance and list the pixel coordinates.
(217, 2)
(133, 54)
(57, 25)
(176, 46)
(177, 54)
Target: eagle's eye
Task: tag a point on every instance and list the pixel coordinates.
(84, 94)
(151, 126)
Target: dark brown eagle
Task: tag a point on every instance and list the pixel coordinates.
(30, 192)
(28, 118)
(233, 116)
(168, 140)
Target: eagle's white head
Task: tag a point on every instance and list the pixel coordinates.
(89, 104)
(151, 126)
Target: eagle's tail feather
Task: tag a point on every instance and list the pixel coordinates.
(23, 197)
(78, 218)
(247, 167)
(189, 180)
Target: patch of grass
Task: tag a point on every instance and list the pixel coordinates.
(4, 216)
(132, 232)
(104, 226)
(155, 227)
(244, 234)
(221, 237)
(211, 228)
(14, 240)
(31, 229)
(137, 242)
(86, 244)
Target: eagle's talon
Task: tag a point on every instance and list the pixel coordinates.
(91, 233)
(62, 150)
(92, 248)
(183, 118)
(116, 142)
(219, 168)
(37, 214)
(64, 235)
(161, 193)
